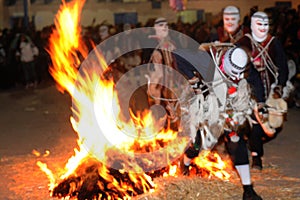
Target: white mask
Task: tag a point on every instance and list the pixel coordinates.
(231, 18)
(259, 26)
(161, 28)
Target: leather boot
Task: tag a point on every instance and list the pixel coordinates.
(257, 163)
(249, 193)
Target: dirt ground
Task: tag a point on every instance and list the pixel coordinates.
(38, 119)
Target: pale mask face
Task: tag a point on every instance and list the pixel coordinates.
(231, 18)
(259, 26)
(231, 22)
(161, 29)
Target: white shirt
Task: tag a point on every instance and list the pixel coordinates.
(27, 51)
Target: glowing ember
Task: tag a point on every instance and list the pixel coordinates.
(38, 154)
(213, 164)
(172, 171)
(113, 156)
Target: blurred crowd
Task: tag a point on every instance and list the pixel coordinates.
(285, 25)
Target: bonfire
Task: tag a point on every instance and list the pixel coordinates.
(116, 157)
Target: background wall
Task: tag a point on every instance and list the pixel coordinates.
(95, 11)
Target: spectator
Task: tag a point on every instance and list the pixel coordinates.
(107, 46)
(129, 47)
(2, 55)
(3, 68)
(27, 52)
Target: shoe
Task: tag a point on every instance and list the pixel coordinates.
(184, 169)
(249, 193)
(257, 163)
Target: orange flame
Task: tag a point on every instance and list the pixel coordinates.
(89, 93)
(212, 162)
(65, 45)
(172, 171)
(99, 133)
(49, 174)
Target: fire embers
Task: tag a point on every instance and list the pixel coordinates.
(210, 163)
(93, 180)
